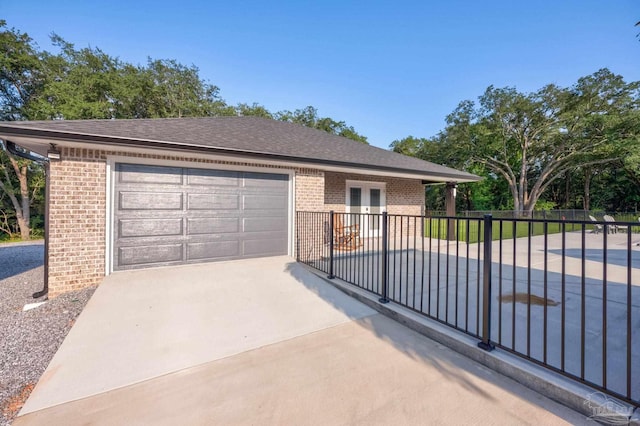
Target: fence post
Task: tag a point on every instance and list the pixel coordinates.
(298, 219)
(385, 259)
(486, 283)
(331, 225)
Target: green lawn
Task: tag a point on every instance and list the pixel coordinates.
(4, 238)
(437, 228)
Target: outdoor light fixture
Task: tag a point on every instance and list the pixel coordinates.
(53, 154)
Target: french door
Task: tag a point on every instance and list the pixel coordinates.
(364, 199)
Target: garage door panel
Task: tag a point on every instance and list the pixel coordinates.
(266, 181)
(213, 225)
(264, 247)
(215, 178)
(205, 215)
(147, 227)
(265, 202)
(150, 201)
(257, 224)
(150, 254)
(213, 250)
(213, 202)
(156, 175)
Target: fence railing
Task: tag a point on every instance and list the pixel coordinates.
(560, 214)
(563, 294)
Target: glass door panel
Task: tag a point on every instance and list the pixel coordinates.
(375, 208)
(365, 198)
(355, 197)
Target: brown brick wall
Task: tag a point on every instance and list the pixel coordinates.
(309, 190)
(309, 198)
(404, 196)
(77, 221)
(77, 236)
(78, 208)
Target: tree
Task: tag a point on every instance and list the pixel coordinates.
(486, 194)
(254, 110)
(309, 117)
(20, 73)
(178, 91)
(21, 82)
(76, 84)
(531, 140)
(410, 146)
(20, 181)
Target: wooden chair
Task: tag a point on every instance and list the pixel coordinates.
(346, 237)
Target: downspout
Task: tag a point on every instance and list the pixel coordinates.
(45, 288)
(25, 153)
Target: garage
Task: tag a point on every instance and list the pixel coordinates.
(177, 215)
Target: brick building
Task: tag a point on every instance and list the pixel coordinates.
(126, 194)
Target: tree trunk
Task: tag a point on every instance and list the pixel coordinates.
(586, 201)
(567, 190)
(22, 206)
(529, 206)
(25, 197)
(25, 229)
(516, 198)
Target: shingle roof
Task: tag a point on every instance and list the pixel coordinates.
(252, 136)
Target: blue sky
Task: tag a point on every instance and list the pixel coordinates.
(390, 69)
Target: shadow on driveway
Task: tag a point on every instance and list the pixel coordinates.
(453, 366)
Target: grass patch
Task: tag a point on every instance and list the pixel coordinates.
(472, 230)
(6, 239)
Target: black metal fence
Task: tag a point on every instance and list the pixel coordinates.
(563, 294)
(560, 214)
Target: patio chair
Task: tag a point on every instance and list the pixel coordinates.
(611, 222)
(346, 237)
(619, 228)
(597, 228)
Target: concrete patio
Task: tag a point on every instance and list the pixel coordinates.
(444, 280)
(262, 341)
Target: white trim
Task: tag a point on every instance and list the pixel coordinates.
(108, 255)
(292, 215)
(349, 183)
(364, 187)
(113, 159)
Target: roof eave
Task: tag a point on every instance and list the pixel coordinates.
(51, 136)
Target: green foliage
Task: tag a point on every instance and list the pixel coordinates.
(254, 110)
(20, 73)
(88, 83)
(21, 198)
(410, 146)
(309, 117)
(542, 205)
(528, 144)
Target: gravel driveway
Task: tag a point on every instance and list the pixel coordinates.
(28, 339)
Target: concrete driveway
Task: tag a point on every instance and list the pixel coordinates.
(261, 341)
